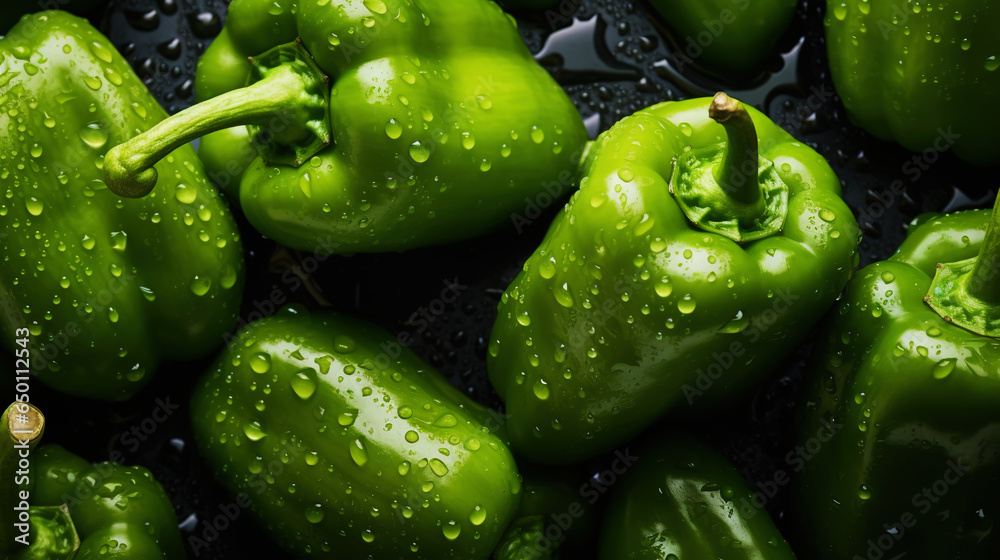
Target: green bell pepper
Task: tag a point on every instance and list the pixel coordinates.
(12, 10)
(916, 75)
(910, 367)
(682, 500)
(347, 445)
(731, 38)
(436, 124)
(660, 284)
(79, 511)
(98, 289)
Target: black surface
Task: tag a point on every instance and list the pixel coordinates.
(611, 67)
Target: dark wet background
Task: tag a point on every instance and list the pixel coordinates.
(613, 57)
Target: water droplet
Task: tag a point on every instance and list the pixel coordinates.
(405, 412)
(840, 12)
(200, 286)
(118, 240)
(468, 140)
(260, 362)
(403, 468)
(541, 389)
(438, 467)
(375, 6)
(358, 453)
(305, 185)
(315, 513)
(563, 297)
(736, 324)
(185, 194)
(419, 152)
(944, 368)
(478, 516)
(254, 431)
(412, 436)
(686, 305)
(347, 418)
(537, 135)
(112, 315)
(35, 207)
(446, 421)
(393, 129)
(664, 287)
(451, 530)
(864, 493)
(827, 215)
(304, 383)
(992, 63)
(523, 319)
(547, 268)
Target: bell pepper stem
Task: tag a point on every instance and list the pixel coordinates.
(22, 424)
(983, 283)
(737, 175)
(128, 167)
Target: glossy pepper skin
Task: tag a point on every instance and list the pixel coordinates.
(629, 308)
(919, 77)
(386, 458)
(684, 501)
(119, 512)
(913, 468)
(436, 124)
(102, 288)
(731, 38)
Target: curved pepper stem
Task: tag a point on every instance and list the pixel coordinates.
(967, 293)
(987, 288)
(286, 110)
(738, 173)
(21, 425)
(727, 188)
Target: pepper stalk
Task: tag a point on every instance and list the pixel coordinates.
(729, 188)
(285, 108)
(967, 293)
